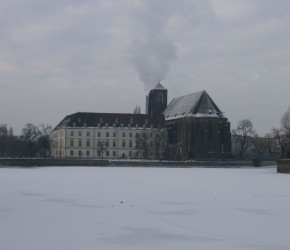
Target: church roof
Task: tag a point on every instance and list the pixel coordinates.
(197, 104)
(159, 86)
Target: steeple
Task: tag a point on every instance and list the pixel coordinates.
(157, 101)
(159, 86)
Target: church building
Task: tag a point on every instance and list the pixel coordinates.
(190, 127)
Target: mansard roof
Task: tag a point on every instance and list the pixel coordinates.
(84, 119)
(197, 104)
(160, 86)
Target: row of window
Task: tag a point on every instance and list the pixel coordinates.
(102, 143)
(99, 134)
(115, 126)
(99, 153)
(107, 134)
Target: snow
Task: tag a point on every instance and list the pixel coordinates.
(73, 208)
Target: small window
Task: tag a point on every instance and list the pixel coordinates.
(71, 133)
(71, 153)
(80, 143)
(107, 134)
(88, 134)
(99, 134)
(88, 153)
(114, 153)
(80, 133)
(124, 134)
(80, 153)
(130, 153)
(114, 134)
(71, 143)
(88, 143)
(130, 144)
(130, 135)
(123, 144)
(114, 144)
(160, 98)
(107, 153)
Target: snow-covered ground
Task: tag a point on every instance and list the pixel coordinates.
(89, 208)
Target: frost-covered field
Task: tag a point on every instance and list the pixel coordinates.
(83, 208)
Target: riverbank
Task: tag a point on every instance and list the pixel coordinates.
(36, 162)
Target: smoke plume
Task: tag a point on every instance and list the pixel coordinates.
(154, 50)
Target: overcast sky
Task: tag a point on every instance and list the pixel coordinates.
(61, 57)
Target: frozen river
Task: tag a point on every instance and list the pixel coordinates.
(89, 208)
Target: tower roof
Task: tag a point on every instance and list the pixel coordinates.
(159, 86)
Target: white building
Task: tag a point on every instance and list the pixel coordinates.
(108, 136)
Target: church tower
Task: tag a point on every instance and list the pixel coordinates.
(156, 101)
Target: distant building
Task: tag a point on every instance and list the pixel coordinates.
(190, 127)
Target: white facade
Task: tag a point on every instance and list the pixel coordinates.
(107, 143)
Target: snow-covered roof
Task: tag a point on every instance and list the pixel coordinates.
(197, 104)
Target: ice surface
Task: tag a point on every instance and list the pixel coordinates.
(86, 208)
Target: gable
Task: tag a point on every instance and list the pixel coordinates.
(192, 105)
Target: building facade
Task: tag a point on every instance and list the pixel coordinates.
(108, 136)
(197, 129)
(190, 127)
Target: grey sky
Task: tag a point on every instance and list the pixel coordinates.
(61, 57)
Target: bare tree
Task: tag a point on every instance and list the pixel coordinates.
(282, 135)
(244, 136)
(30, 135)
(102, 147)
(137, 110)
(43, 140)
(285, 122)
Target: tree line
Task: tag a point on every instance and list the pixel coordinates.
(34, 141)
(247, 144)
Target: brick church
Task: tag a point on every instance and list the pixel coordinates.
(190, 127)
(196, 127)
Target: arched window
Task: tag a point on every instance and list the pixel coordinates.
(160, 98)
